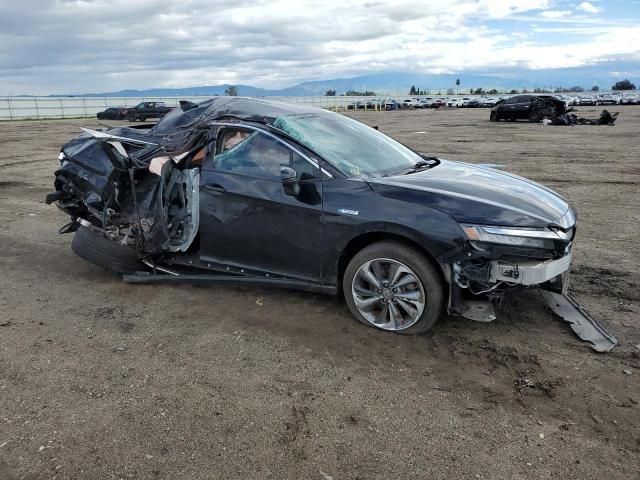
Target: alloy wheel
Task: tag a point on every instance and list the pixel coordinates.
(388, 294)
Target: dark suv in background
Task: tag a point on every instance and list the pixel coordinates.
(527, 107)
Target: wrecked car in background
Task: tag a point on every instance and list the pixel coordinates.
(112, 113)
(528, 107)
(253, 192)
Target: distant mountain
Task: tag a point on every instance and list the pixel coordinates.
(399, 83)
(207, 90)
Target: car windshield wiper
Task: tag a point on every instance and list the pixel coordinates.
(420, 165)
(428, 162)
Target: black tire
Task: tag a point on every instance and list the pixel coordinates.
(494, 117)
(416, 261)
(535, 116)
(131, 118)
(96, 248)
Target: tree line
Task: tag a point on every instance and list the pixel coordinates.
(625, 84)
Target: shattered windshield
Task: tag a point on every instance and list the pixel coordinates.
(353, 147)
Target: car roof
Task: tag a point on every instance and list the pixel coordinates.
(241, 108)
(257, 109)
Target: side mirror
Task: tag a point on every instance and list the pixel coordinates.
(289, 178)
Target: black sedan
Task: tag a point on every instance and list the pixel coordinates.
(527, 107)
(112, 113)
(252, 192)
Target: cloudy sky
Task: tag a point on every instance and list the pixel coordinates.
(78, 46)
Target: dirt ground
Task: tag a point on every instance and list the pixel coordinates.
(104, 380)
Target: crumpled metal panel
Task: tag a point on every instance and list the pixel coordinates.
(582, 322)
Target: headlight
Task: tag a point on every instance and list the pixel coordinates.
(517, 237)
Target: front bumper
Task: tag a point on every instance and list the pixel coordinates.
(528, 272)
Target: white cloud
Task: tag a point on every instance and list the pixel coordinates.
(555, 13)
(77, 46)
(588, 7)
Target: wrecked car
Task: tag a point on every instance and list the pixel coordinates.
(253, 192)
(527, 107)
(112, 113)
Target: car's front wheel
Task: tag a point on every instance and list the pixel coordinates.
(494, 117)
(393, 286)
(96, 248)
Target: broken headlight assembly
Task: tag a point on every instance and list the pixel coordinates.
(511, 236)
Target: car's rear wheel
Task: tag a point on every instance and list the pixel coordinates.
(394, 287)
(96, 248)
(535, 116)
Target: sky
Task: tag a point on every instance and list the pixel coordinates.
(81, 46)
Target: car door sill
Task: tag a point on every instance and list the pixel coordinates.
(231, 280)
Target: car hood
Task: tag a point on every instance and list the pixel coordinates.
(480, 195)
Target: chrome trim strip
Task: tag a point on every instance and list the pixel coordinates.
(252, 127)
(516, 232)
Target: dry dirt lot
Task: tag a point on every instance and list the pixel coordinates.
(104, 380)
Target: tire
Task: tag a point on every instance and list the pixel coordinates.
(96, 248)
(535, 117)
(427, 288)
(131, 118)
(494, 117)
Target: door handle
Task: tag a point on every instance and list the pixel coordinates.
(214, 188)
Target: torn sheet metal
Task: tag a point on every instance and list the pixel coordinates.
(109, 136)
(582, 323)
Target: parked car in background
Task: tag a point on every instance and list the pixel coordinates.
(586, 100)
(455, 102)
(437, 103)
(606, 99)
(145, 110)
(112, 113)
(527, 107)
(391, 104)
(411, 102)
(630, 99)
(487, 102)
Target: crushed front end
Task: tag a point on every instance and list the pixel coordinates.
(495, 259)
